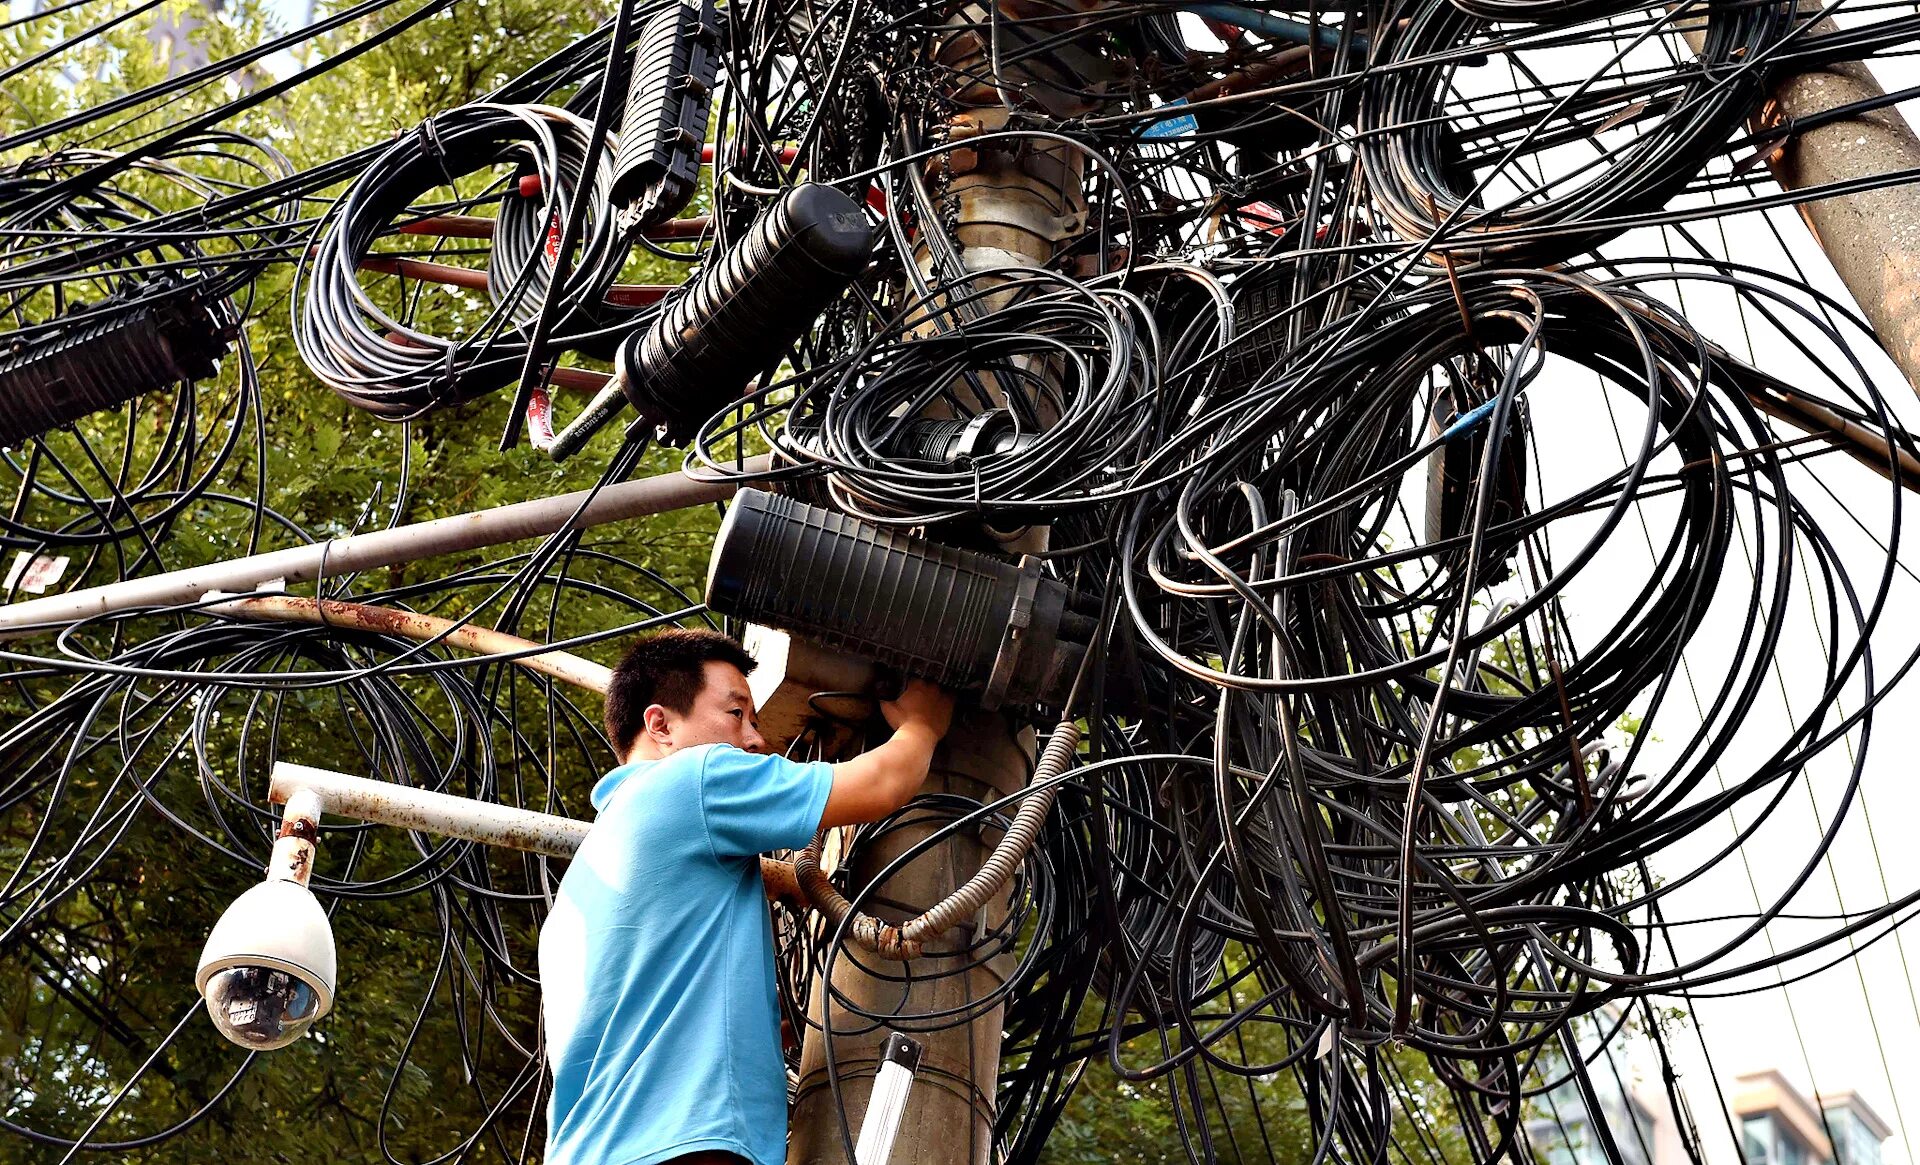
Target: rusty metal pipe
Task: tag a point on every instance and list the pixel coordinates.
(467, 226)
(475, 279)
(356, 552)
(451, 226)
(471, 278)
(561, 665)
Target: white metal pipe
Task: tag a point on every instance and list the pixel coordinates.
(297, 564)
(386, 803)
(303, 806)
(292, 859)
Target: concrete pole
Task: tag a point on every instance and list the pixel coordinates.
(1872, 238)
(1012, 208)
(949, 1115)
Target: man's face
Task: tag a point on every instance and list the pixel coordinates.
(721, 714)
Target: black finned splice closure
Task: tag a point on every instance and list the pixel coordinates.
(903, 1050)
(668, 103)
(967, 621)
(105, 355)
(742, 312)
(1260, 315)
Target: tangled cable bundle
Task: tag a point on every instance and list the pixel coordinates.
(378, 362)
(1493, 534)
(1043, 401)
(1514, 181)
(83, 221)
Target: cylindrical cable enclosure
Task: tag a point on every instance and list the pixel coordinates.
(106, 356)
(964, 620)
(668, 102)
(745, 308)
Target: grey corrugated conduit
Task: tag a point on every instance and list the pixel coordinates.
(907, 941)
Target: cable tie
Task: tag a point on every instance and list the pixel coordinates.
(446, 385)
(429, 136)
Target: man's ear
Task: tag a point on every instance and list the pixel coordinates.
(656, 726)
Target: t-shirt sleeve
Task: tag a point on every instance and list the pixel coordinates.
(757, 803)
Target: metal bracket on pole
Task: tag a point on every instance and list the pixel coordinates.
(386, 803)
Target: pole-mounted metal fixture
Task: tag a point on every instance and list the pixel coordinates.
(268, 969)
(899, 1060)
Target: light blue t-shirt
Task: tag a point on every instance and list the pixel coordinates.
(656, 964)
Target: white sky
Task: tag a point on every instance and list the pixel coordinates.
(1857, 1025)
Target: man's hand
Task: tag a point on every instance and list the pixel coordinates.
(877, 782)
(922, 703)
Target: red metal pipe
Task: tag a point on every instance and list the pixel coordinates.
(472, 278)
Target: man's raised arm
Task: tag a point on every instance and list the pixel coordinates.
(878, 781)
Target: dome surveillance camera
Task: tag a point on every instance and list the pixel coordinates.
(267, 972)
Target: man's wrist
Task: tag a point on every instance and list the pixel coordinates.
(919, 732)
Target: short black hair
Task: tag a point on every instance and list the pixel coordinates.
(667, 668)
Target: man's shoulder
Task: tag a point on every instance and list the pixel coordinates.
(650, 780)
(723, 764)
(684, 768)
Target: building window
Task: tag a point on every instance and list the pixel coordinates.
(1564, 1135)
(1766, 1141)
(1853, 1142)
(1756, 1139)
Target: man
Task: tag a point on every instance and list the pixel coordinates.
(656, 963)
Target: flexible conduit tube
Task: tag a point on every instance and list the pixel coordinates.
(907, 942)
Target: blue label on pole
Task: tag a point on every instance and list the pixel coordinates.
(1173, 127)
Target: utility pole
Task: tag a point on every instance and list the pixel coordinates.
(1872, 237)
(1014, 206)
(949, 1116)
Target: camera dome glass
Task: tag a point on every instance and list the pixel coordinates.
(261, 1008)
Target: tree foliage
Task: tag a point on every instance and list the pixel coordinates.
(88, 996)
